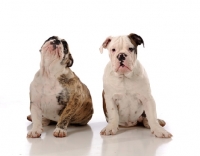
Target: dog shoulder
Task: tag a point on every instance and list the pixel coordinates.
(108, 68)
(139, 70)
(74, 85)
(36, 79)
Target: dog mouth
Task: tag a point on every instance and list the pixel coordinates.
(122, 68)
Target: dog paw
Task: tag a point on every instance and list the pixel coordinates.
(161, 132)
(58, 132)
(34, 133)
(109, 130)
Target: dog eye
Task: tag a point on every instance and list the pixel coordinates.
(131, 49)
(113, 50)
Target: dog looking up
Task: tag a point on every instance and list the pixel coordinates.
(56, 93)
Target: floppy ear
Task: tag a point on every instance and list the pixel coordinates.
(65, 46)
(105, 44)
(67, 60)
(136, 38)
(70, 61)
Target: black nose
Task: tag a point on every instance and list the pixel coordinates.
(121, 57)
(54, 43)
(57, 42)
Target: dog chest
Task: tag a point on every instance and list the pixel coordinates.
(47, 93)
(129, 108)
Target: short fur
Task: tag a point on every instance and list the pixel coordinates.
(56, 93)
(127, 99)
(142, 120)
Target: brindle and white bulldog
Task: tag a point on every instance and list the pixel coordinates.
(127, 99)
(56, 93)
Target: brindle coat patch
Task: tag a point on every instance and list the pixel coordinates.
(78, 108)
(63, 99)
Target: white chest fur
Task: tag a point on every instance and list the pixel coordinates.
(129, 108)
(124, 90)
(44, 93)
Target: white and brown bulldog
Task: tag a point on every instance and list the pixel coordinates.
(56, 93)
(127, 98)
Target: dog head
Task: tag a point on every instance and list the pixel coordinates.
(122, 51)
(55, 49)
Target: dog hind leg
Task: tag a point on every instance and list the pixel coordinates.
(146, 124)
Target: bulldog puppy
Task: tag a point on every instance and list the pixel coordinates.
(56, 93)
(127, 98)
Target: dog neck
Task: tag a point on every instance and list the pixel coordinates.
(53, 69)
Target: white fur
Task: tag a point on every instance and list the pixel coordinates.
(129, 91)
(45, 87)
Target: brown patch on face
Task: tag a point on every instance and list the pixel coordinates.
(135, 40)
(132, 41)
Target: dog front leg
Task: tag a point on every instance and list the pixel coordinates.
(64, 120)
(113, 117)
(36, 115)
(150, 110)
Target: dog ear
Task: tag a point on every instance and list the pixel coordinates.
(65, 46)
(136, 38)
(105, 44)
(67, 60)
(70, 61)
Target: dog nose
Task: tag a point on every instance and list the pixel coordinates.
(54, 43)
(121, 57)
(57, 42)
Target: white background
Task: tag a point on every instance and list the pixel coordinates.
(170, 30)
